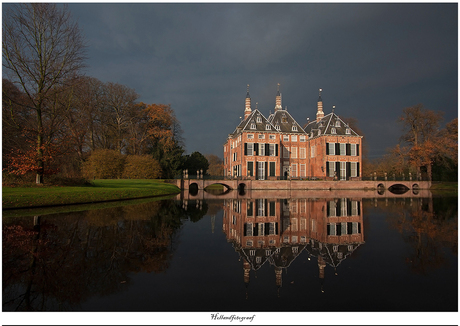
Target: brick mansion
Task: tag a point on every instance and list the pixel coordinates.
(278, 147)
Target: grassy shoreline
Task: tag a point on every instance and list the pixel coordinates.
(99, 191)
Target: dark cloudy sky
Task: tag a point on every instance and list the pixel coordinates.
(371, 60)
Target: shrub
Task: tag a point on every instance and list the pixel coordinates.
(141, 167)
(104, 164)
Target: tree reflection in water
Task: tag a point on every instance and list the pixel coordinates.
(57, 263)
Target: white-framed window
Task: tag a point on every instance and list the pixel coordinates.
(302, 152)
(319, 132)
(268, 127)
(343, 149)
(252, 253)
(259, 119)
(261, 149)
(294, 170)
(331, 148)
(313, 229)
(293, 152)
(260, 206)
(272, 149)
(285, 152)
(332, 208)
(313, 151)
(253, 126)
(250, 149)
(249, 243)
(286, 138)
(333, 131)
(337, 124)
(353, 169)
(343, 170)
(354, 208)
(261, 136)
(258, 259)
(303, 171)
(261, 227)
(354, 228)
(331, 169)
(303, 138)
(272, 228)
(249, 229)
(344, 228)
(250, 136)
(332, 229)
(353, 149)
(277, 127)
(347, 131)
(294, 138)
(294, 128)
(303, 239)
(343, 207)
(234, 157)
(272, 137)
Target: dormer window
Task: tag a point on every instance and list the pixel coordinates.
(319, 132)
(277, 127)
(267, 127)
(348, 131)
(253, 126)
(259, 119)
(333, 131)
(284, 119)
(294, 128)
(337, 123)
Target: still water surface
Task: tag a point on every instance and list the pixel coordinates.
(258, 253)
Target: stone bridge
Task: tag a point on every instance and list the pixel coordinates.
(237, 184)
(244, 187)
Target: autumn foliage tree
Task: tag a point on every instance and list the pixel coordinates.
(42, 50)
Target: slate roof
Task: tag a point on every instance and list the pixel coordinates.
(330, 124)
(285, 121)
(255, 119)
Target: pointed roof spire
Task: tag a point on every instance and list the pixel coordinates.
(247, 94)
(278, 99)
(319, 99)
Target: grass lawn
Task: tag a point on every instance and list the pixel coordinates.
(99, 191)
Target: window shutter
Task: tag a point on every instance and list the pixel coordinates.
(327, 168)
(245, 149)
(337, 149)
(348, 147)
(256, 149)
(276, 149)
(327, 148)
(357, 149)
(357, 169)
(337, 169)
(348, 169)
(267, 149)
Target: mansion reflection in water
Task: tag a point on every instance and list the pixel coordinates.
(277, 231)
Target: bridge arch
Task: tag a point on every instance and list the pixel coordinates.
(193, 189)
(242, 188)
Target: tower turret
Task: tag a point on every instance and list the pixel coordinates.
(278, 99)
(319, 112)
(247, 108)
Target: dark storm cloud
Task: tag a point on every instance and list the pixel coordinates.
(372, 60)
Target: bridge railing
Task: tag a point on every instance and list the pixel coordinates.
(311, 178)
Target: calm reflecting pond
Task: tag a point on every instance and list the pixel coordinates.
(260, 252)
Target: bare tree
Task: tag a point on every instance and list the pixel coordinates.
(43, 50)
